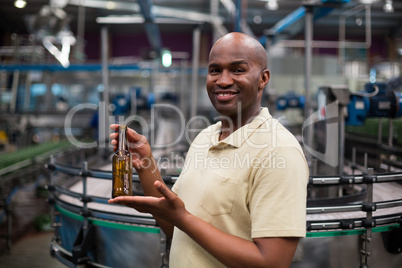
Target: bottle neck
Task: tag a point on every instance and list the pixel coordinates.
(122, 137)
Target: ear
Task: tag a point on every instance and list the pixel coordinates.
(264, 78)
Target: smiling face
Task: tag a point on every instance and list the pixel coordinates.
(237, 75)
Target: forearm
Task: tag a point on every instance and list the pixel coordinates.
(148, 175)
(234, 251)
(221, 245)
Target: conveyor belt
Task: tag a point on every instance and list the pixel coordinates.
(385, 186)
(26, 156)
(85, 203)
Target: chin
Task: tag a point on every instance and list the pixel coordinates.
(226, 111)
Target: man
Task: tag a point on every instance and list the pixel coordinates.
(240, 200)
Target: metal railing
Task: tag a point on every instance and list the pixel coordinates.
(315, 228)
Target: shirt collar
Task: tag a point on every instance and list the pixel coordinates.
(237, 138)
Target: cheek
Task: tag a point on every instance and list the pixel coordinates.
(210, 95)
(249, 86)
(209, 84)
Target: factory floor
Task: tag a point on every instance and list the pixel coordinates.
(31, 231)
(30, 251)
(29, 246)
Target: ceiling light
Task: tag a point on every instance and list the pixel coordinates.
(368, 2)
(272, 5)
(110, 5)
(166, 58)
(388, 7)
(20, 3)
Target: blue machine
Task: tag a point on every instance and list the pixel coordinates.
(123, 102)
(290, 100)
(374, 101)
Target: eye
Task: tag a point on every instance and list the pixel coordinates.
(238, 70)
(213, 70)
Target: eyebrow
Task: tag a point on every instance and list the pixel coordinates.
(234, 63)
(239, 62)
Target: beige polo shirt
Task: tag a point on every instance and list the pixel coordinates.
(252, 184)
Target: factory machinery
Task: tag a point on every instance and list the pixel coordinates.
(360, 121)
(353, 217)
(357, 226)
(20, 171)
(90, 231)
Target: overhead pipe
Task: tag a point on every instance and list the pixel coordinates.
(151, 28)
(320, 44)
(118, 5)
(287, 21)
(160, 11)
(240, 23)
(144, 7)
(237, 16)
(323, 6)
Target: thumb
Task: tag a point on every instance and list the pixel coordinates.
(135, 137)
(164, 190)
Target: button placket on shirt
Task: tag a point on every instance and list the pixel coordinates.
(217, 147)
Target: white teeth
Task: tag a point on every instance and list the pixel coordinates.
(224, 94)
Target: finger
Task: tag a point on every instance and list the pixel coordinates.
(114, 142)
(133, 136)
(114, 136)
(115, 127)
(128, 201)
(115, 200)
(135, 200)
(131, 203)
(120, 199)
(164, 190)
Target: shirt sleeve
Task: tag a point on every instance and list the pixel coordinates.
(175, 187)
(278, 194)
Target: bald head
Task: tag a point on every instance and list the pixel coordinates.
(248, 44)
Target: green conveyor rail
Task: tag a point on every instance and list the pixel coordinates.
(136, 228)
(379, 229)
(25, 154)
(108, 223)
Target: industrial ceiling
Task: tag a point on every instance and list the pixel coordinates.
(182, 15)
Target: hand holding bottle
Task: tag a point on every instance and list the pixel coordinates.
(138, 146)
(148, 173)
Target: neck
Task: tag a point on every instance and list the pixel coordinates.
(232, 123)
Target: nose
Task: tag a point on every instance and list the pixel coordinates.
(224, 79)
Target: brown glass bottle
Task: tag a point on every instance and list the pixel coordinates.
(122, 167)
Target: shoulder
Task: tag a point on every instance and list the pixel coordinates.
(271, 134)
